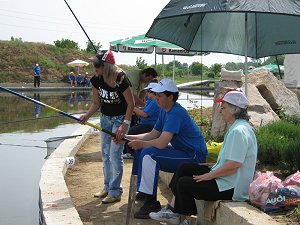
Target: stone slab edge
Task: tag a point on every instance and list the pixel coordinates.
(228, 213)
(56, 203)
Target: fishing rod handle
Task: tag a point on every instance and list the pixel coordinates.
(105, 131)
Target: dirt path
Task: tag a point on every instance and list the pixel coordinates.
(86, 178)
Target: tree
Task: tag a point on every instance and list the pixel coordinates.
(90, 48)
(16, 39)
(197, 68)
(215, 70)
(140, 63)
(272, 60)
(66, 43)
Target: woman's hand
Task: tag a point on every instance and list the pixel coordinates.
(121, 132)
(203, 177)
(83, 119)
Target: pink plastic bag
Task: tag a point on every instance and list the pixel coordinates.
(262, 185)
(293, 179)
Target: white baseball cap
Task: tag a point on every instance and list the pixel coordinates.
(150, 86)
(165, 85)
(235, 97)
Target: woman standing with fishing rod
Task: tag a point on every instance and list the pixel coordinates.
(113, 95)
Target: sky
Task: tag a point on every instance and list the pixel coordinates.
(104, 21)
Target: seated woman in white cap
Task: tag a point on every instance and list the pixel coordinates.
(174, 126)
(228, 178)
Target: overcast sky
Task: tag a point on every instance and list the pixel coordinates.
(104, 21)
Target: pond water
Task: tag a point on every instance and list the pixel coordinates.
(24, 128)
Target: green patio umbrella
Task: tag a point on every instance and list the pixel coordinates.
(271, 67)
(142, 44)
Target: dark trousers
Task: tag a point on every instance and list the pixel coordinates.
(185, 189)
(136, 129)
(36, 81)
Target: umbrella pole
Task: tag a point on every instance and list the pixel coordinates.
(174, 68)
(155, 58)
(278, 67)
(163, 65)
(246, 55)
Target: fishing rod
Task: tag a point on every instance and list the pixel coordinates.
(61, 112)
(81, 27)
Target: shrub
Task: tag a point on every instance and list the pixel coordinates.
(276, 141)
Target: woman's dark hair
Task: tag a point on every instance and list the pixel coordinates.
(149, 72)
(175, 95)
(98, 64)
(239, 113)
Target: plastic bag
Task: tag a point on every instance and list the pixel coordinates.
(293, 179)
(261, 187)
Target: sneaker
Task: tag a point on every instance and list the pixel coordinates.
(101, 194)
(127, 156)
(109, 199)
(165, 215)
(140, 196)
(148, 207)
(185, 222)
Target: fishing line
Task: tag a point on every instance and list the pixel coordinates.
(35, 146)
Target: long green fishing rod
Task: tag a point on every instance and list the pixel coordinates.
(61, 112)
(81, 27)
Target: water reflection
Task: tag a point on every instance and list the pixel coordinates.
(19, 114)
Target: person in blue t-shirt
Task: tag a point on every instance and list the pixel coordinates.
(37, 75)
(72, 79)
(175, 139)
(229, 178)
(80, 80)
(148, 117)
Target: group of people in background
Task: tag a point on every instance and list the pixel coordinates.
(79, 80)
(75, 81)
(166, 138)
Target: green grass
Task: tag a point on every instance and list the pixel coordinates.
(279, 144)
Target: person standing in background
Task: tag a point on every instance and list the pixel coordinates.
(139, 80)
(37, 75)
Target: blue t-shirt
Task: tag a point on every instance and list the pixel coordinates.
(79, 78)
(187, 135)
(71, 76)
(239, 145)
(152, 110)
(37, 71)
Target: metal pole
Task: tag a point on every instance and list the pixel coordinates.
(246, 55)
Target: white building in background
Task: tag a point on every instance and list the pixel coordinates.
(292, 71)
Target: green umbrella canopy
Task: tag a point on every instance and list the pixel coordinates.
(142, 44)
(270, 67)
